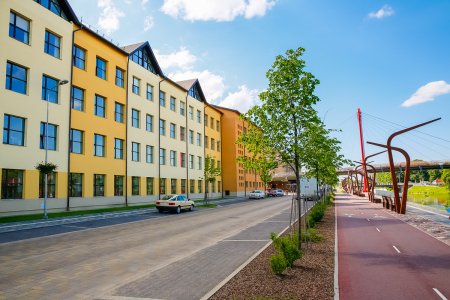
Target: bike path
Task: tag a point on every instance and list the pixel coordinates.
(381, 257)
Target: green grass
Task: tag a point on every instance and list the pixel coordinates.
(70, 213)
(209, 205)
(429, 190)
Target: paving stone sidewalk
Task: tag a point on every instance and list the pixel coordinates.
(15, 226)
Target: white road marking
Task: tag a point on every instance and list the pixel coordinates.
(378, 230)
(439, 293)
(368, 220)
(396, 249)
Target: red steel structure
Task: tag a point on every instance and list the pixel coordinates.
(400, 206)
(362, 149)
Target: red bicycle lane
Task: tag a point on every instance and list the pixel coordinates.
(381, 257)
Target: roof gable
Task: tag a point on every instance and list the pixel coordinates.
(133, 49)
(194, 89)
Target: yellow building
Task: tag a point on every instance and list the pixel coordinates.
(36, 54)
(213, 144)
(98, 122)
(236, 180)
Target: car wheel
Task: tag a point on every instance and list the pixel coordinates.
(160, 210)
(192, 207)
(178, 210)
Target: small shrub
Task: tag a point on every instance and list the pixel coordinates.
(315, 238)
(287, 247)
(278, 264)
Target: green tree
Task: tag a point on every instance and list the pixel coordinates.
(435, 174)
(446, 177)
(210, 173)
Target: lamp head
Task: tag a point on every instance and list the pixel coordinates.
(62, 82)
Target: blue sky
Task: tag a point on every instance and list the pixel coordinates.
(372, 55)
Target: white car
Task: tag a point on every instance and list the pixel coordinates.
(257, 194)
(174, 203)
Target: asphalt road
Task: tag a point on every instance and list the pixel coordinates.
(381, 257)
(162, 257)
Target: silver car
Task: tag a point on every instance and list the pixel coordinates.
(257, 194)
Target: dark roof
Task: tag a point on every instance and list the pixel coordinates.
(130, 49)
(187, 84)
(230, 109)
(84, 27)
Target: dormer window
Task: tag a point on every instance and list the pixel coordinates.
(194, 92)
(142, 58)
(54, 6)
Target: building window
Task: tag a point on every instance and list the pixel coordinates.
(135, 185)
(118, 149)
(100, 103)
(54, 6)
(191, 113)
(149, 154)
(162, 127)
(162, 185)
(191, 186)
(19, 28)
(149, 185)
(218, 186)
(182, 133)
(100, 69)
(162, 156)
(183, 186)
(191, 137)
(162, 99)
(198, 116)
(149, 92)
(52, 44)
(183, 160)
(76, 141)
(79, 58)
(136, 85)
(99, 145)
(212, 144)
(51, 138)
(182, 109)
(76, 185)
(206, 119)
(172, 103)
(191, 161)
(16, 78)
(142, 58)
(118, 112)
(206, 142)
(173, 186)
(12, 184)
(135, 151)
(199, 162)
(218, 146)
(77, 99)
(172, 131)
(212, 123)
(134, 118)
(217, 125)
(118, 185)
(199, 139)
(120, 78)
(199, 186)
(173, 158)
(48, 89)
(99, 185)
(149, 123)
(51, 185)
(13, 130)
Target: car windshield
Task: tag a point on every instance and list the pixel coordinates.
(254, 192)
(168, 197)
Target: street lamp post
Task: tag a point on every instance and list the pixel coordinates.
(210, 157)
(62, 82)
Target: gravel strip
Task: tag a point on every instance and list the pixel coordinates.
(312, 277)
(435, 229)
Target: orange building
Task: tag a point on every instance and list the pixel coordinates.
(236, 180)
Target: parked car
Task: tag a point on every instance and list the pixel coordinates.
(174, 203)
(257, 194)
(272, 193)
(280, 192)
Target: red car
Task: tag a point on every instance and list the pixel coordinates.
(272, 193)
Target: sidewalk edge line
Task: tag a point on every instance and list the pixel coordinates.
(336, 266)
(228, 278)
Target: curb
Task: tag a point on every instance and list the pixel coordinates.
(336, 256)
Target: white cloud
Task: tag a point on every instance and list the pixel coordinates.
(242, 100)
(182, 59)
(144, 1)
(212, 85)
(109, 19)
(148, 23)
(386, 11)
(218, 10)
(428, 92)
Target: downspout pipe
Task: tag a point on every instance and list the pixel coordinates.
(126, 137)
(187, 186)
(70, 119)
(245, 171)
(159, 135)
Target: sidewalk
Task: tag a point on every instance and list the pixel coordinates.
(15, 226)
